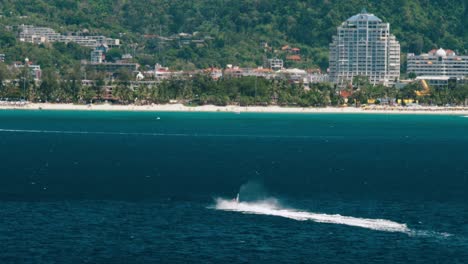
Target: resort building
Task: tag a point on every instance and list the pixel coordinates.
(276, 64)
(2, 57)
(438, 67)
(35, 71)
(214, 73)
(439, 81)
(97, 56)
(317, 77)
(294, 75)
(438, 63)
(364, 46)
(41, 35)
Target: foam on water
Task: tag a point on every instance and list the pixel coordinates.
(35, 131)
(155, 134)
(271, 207)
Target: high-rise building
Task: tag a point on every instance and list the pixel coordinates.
(364, 46)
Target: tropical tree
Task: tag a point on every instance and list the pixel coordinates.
(50, 88)
(86, 94)
(123, 94)
(5, 75)
(460, 94)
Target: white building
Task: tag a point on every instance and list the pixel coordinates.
(34, 70)
(438, 63)
(97, 56)
(37, 35)
(295, 75)
(276, 64)
(40, 35)
(439, 68)
(318, 78)
(364, 46)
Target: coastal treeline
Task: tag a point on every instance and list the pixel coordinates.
(201, 89)
(245, 91)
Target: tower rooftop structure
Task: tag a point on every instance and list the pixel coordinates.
(364, 16)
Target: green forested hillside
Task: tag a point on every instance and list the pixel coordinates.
(233, 30)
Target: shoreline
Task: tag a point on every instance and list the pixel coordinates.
(238, 109)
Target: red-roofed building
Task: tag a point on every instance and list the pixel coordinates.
(432, 52)
(294, 58)
(295, 50)
(233, 72)
(214, 73)
(449, 52)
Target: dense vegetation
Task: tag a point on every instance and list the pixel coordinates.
(239, 32)
(235, 29)
(202, 89)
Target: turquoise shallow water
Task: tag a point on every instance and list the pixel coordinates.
(120, 187)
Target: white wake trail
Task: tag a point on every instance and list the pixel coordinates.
(269, 208)
(272, 207)
(156, 134)
(36, 131)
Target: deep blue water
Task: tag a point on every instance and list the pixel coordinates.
(126, 187)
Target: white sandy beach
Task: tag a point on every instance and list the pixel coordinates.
(239, 109)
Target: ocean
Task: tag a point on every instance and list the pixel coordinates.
(147, 187)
